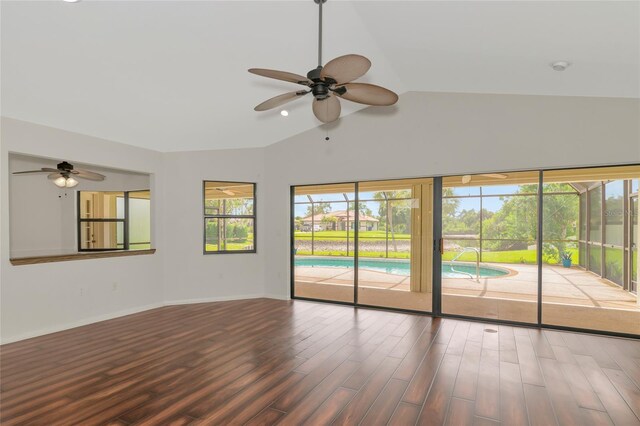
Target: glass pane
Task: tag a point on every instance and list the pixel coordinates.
(595, 258)
(595, 212)
(560, 222)
(101, 235)
(573, 292)
(634, 242)
(389, 272)
(324, 242)
(139, 220)
(101, 205)
(223, 235)
(228, 198)
(489, 266)
(614, 213)
(583, 216)
(613, 265)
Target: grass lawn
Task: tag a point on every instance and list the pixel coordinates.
(333, 235)
(378, 254)
(230, 246)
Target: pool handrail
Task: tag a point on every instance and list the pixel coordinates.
(464, 250)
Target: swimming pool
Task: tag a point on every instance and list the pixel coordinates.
(400, 267)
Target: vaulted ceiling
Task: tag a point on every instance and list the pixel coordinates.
(172, 75)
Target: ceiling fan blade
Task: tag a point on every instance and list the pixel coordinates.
(344, 69)
(280, 100)
(369, 94)
(281, 75)
(86, 174)
(54, 176)
(495, 175)
(466, 179)
(327, 110)
(42, 170)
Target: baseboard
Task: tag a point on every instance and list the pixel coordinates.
(212, 299)
(125, 312)
(80, 323)
(276, 296)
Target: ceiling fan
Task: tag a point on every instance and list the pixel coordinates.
(226, 191)
(467, 178)
(65, 174)
(329, 83)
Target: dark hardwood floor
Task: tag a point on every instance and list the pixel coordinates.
(263, 362)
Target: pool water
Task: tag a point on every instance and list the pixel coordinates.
(399, 267)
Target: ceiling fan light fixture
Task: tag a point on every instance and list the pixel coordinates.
(284, 113)
(60, 182)
(71, 182)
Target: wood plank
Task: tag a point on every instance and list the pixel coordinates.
(460, 412)
(512, 402)
(539, 406)
(488, 391)
(437, 404)
(405, 414)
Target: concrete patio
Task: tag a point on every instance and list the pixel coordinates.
(571, 296)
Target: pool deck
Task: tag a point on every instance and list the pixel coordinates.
(571, 296)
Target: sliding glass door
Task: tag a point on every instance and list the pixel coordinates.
(324, 242)
(367, 243)
(589, 277)
(556, 248)
(489, 252)
(394, 263)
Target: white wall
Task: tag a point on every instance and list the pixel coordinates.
(426, 134)
(430, 134)
(35, 299)
(42, 216)
(190, 275)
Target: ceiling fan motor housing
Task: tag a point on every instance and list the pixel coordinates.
(64, 166)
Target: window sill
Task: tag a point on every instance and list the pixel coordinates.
(17, 261)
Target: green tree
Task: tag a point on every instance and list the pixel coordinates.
(331, 221)
(318, 208)
(399, 210)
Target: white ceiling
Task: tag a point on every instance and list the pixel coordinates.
(171, 75)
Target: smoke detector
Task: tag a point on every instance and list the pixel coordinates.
(560, 65)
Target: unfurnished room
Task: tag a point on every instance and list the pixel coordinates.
(319, 212)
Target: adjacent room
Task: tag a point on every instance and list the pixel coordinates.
(315, 212)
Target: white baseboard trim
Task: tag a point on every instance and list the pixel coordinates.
(276, 296)
(91, 320)
(212, 299)
(80, 323)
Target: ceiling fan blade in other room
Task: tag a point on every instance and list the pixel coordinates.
(276, 101)
(281, 75)
(369, 94)
(327, 110)
(54, 176)
(344, 69)
(42, 170)
(466, 179)
(495, 175)
(86, 174)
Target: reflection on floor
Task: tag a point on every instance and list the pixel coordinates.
(571, 297)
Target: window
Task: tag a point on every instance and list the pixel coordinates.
(229, 217)
(114, 220)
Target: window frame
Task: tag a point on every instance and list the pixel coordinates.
(206, 216)
(125, 223)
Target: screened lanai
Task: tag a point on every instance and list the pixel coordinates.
(565, 240)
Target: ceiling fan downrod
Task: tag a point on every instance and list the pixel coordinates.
(319, 3)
